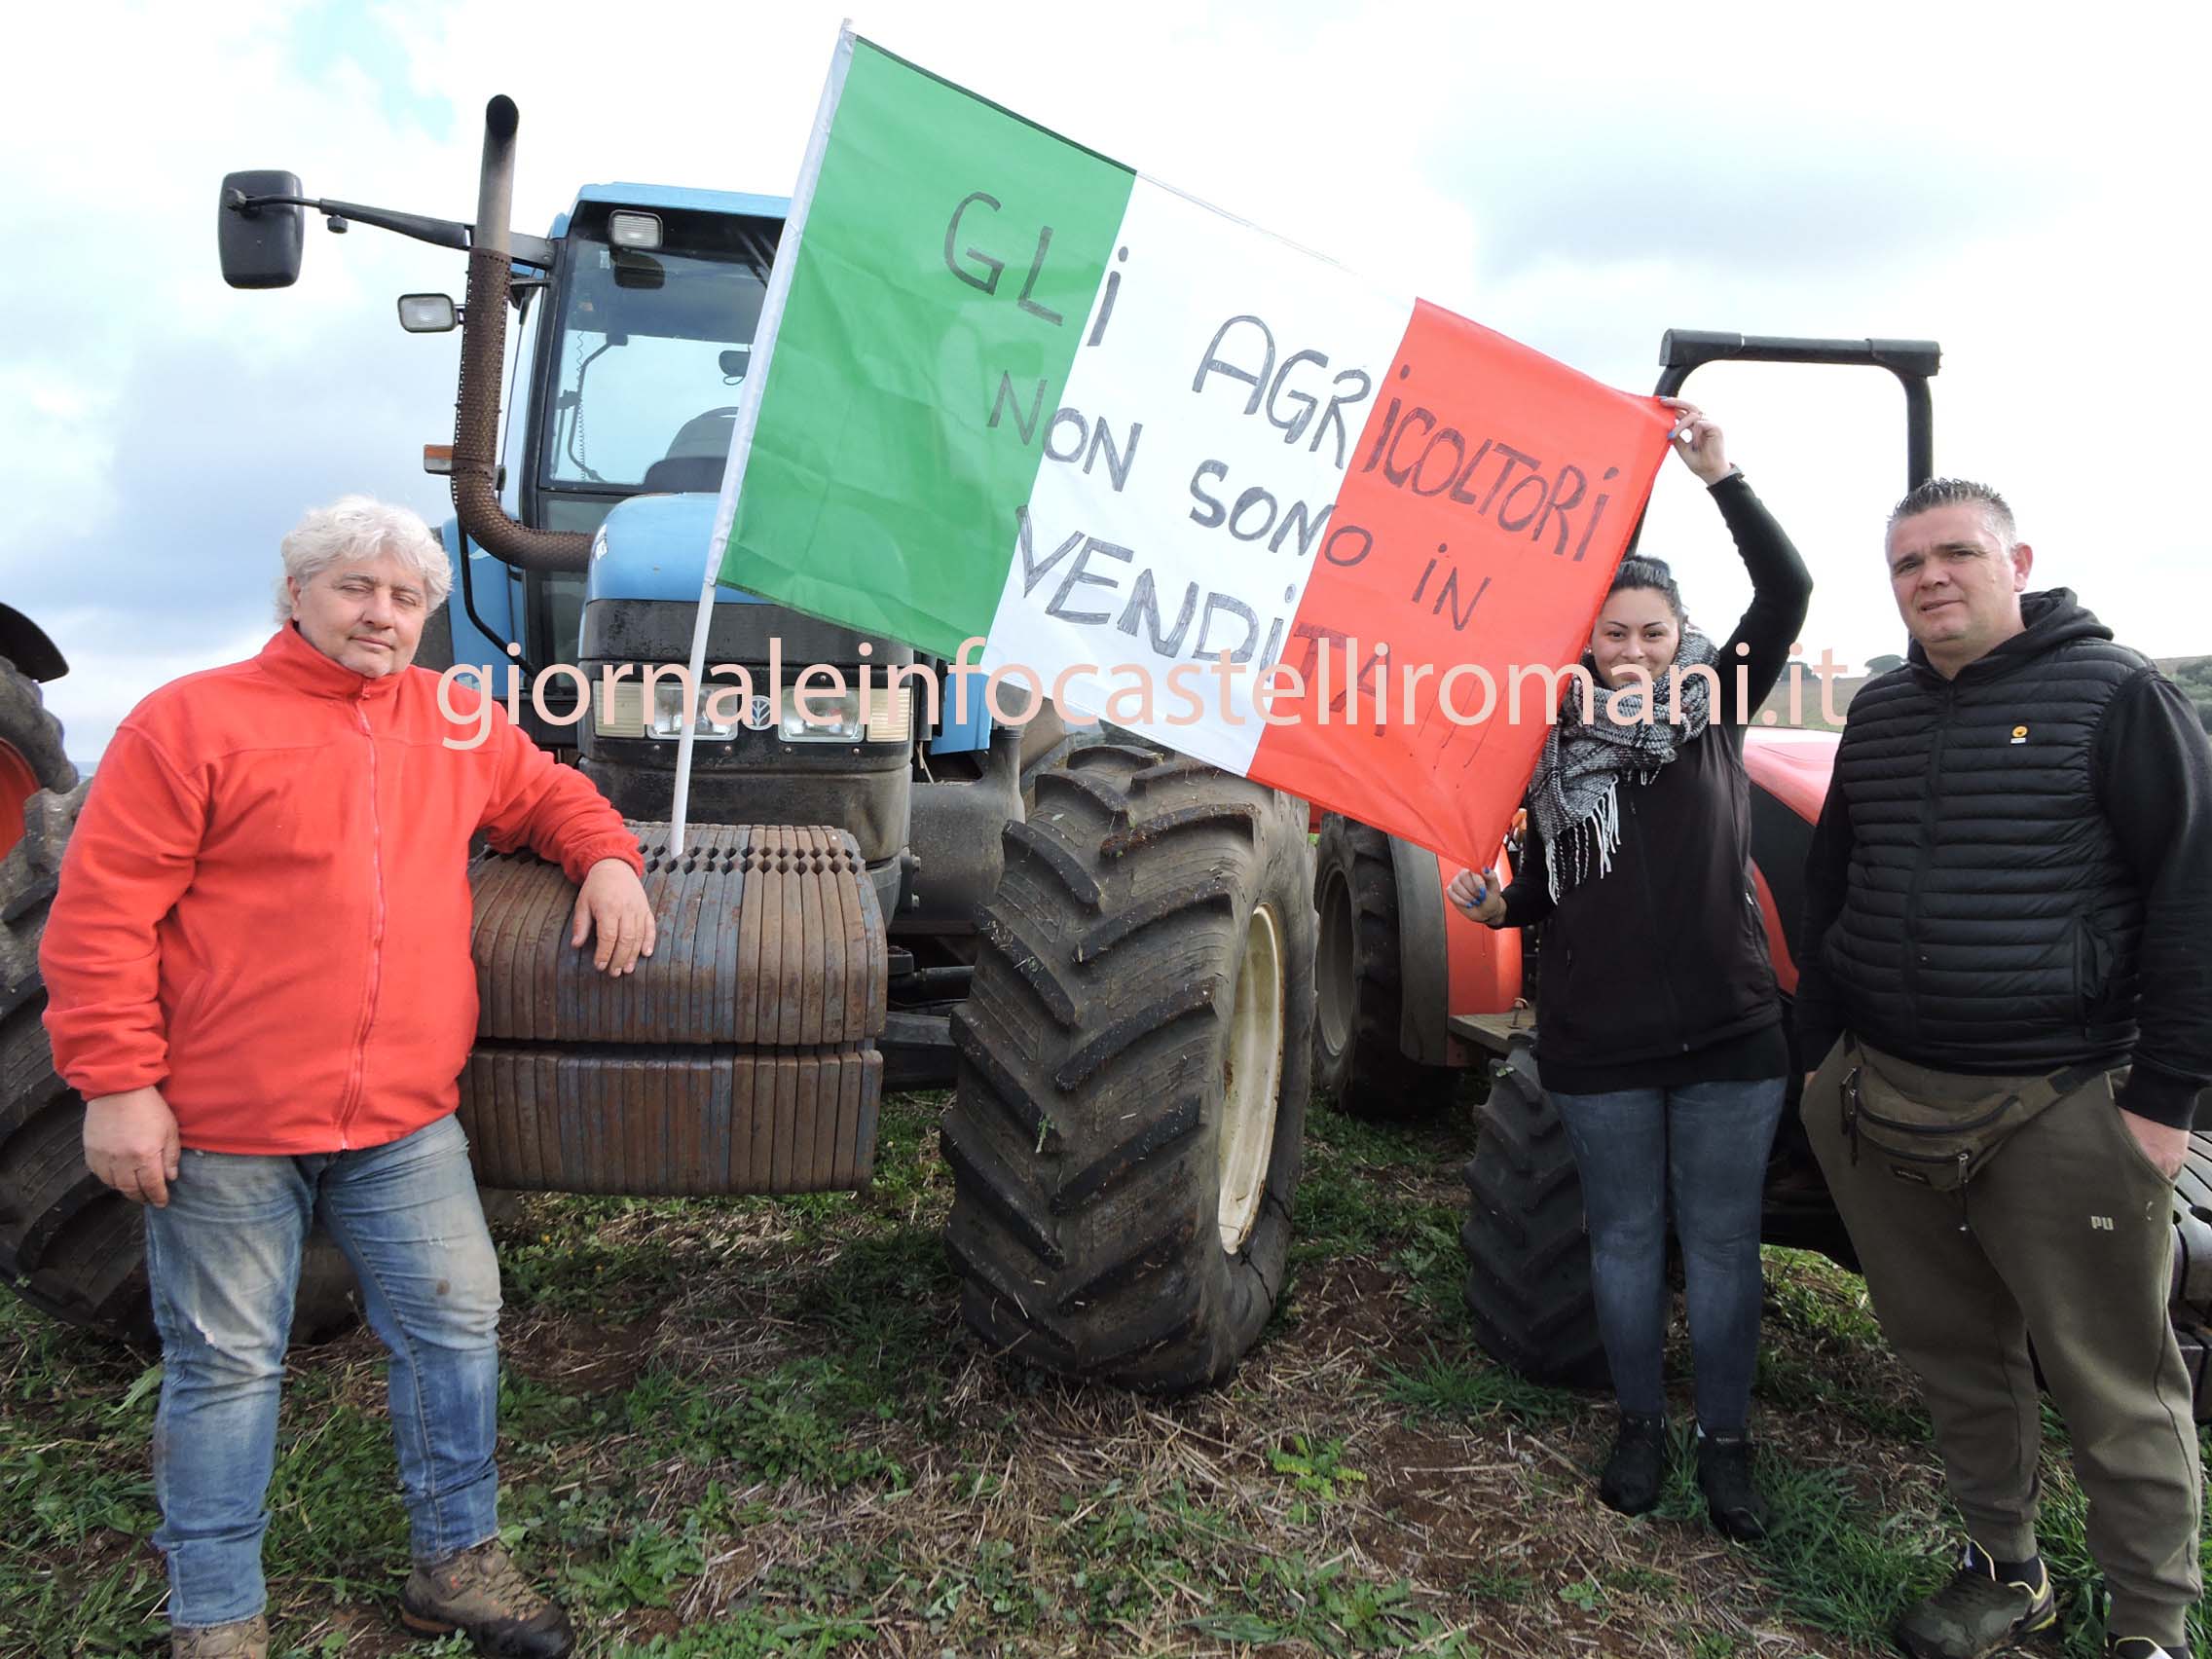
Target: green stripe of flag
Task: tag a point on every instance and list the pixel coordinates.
(877, 491)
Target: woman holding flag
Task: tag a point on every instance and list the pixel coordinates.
(1661, 1037)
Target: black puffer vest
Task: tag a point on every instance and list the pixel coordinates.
(1990, 924)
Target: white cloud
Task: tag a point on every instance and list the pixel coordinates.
(1581, 179)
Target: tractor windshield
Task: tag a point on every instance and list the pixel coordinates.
(651, 350)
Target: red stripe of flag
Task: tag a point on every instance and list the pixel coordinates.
(1480, 522)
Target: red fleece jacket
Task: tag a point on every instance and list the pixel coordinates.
(265, 908)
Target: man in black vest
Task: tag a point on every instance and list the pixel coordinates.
(2008, 969)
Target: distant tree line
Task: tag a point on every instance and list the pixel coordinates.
(2194, 674)
(2194, 678)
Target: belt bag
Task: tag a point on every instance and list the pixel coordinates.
(1943, 1146)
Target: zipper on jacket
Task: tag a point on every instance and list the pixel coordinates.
(1929, 812)
(357, 1074)
(2085, 966)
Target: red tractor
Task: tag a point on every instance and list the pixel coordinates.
(31, 757)
(36, 807)
(1409, 994)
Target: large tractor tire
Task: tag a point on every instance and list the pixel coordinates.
(1529, 1285)
(1134, 1062)
(31, 756)
(2192, 1271)
(70, 1246)
(1061, 740)
(1359, 989)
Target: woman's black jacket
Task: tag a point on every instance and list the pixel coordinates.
(1661, 963)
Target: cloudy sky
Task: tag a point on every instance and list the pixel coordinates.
(1581, 177)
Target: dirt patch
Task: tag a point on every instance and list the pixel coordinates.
(1350, 1304)
(580, 1356)
(1414, 1521)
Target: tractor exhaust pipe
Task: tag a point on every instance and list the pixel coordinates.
(483, 348)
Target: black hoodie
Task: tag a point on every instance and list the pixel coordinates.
(1655, 973)
(2013, 868)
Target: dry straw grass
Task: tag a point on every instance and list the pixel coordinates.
(748, 1429)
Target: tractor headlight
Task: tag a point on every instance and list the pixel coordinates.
(622, 710)
(669, 715)
(623, 713)
(829, 717)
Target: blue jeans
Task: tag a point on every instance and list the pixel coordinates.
(224, 1259)
(1704, 1145)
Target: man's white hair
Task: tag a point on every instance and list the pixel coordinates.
(356, 527)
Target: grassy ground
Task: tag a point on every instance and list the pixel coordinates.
(747, 1428)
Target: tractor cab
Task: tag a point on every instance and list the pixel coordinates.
(636, 334)
(655, 296)
(642, 334)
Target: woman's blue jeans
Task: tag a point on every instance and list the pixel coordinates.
(1704, 1146)
(224, 1260)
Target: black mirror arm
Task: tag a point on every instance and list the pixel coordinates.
(440, 232)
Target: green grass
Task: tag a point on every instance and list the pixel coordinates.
(755, 1636)
(1498, 1584)
(1384, 1194)
(1317, 1469)
(1469, 1388)
(1837, 1564)
(750, 1427)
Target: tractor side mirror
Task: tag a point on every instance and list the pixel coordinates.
(428, 313)
(260, 246)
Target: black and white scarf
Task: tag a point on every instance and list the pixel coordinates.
(1575, 797)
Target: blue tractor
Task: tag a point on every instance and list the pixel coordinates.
(1107, 950)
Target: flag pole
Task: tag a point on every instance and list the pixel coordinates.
(748, 421)
(694, 687)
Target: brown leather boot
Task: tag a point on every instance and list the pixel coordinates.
(482, 1592)
(240, 1639)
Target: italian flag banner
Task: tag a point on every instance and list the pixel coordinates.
(1176, 472)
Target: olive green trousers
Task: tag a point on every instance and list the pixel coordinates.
(2063, 1236)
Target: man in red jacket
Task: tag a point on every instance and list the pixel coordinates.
(259, 979)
